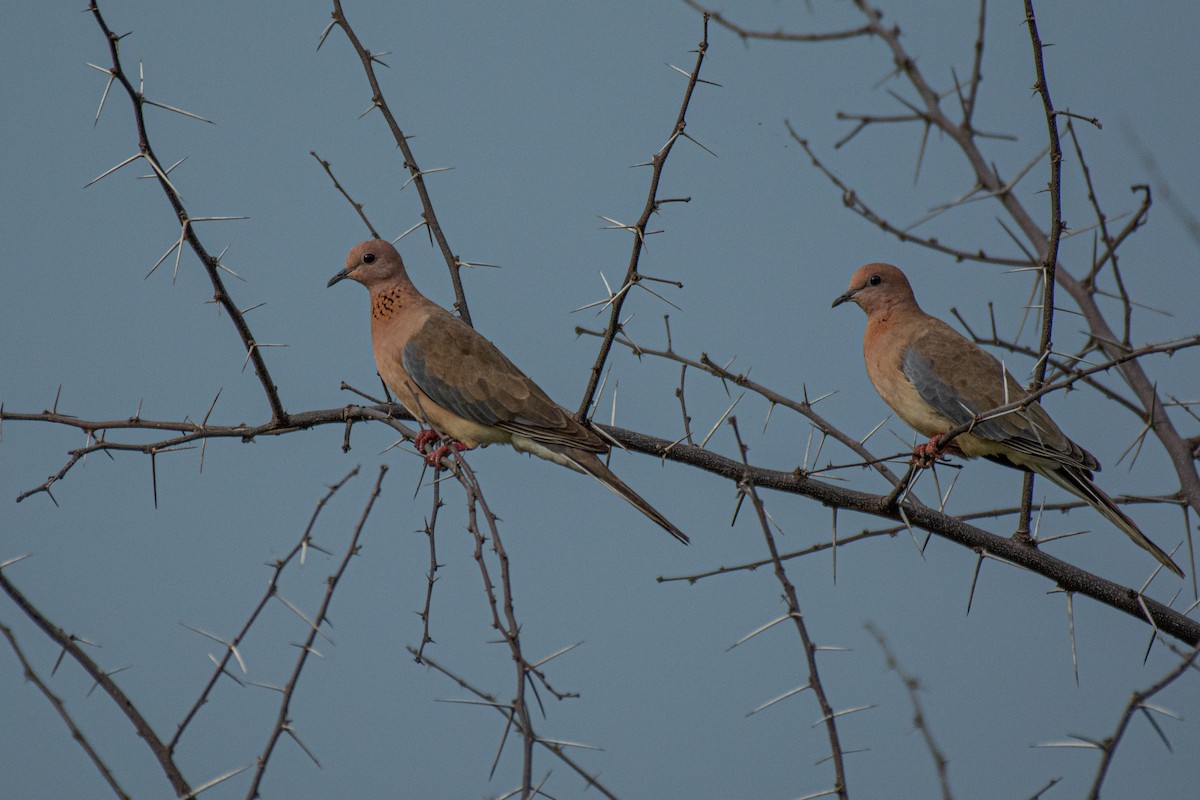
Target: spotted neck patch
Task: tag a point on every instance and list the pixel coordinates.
(385, 304)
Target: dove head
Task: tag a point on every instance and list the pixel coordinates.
(372, 263)
(879, 287)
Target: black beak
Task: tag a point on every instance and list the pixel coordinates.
(340, 276)
(841, 298)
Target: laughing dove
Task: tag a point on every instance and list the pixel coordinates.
(450, 377)
(935, 379)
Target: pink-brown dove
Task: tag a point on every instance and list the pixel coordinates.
(450, 377)
(936, 379)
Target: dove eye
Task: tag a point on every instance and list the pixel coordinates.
(875, 280)
(369, 258)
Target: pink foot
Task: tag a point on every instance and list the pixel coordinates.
(926, 454)
(434, 459)
(426, 438)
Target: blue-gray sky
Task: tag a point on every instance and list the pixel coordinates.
(541, 109)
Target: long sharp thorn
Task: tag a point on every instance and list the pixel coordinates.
(103, 97)
(111, 170)
(178, 111)
(162, 175)
(722, 419)
(974, 581)
(325, 33)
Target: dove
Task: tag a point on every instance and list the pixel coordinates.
(451, 378)
(936, 379)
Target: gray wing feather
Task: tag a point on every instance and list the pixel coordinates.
(474, 380)
(941, 369)
(472, 405)
(950, 402)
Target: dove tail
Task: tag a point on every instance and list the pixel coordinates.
(1079, 483)
(589, 463)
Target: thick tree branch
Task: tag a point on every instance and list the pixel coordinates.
(1065, 576)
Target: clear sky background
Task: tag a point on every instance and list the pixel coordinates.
(541, 109)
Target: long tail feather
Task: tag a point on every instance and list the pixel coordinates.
(1078, 483)
(589, 463)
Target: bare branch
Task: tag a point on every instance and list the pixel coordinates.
(68, 643)
(1137, 701)
(779, 36)
(416, 176)
(60, 707)
(632, 276)
(913, 686)
(828, 716)
(211, 265)
(283, 721)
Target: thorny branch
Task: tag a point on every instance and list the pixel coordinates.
(212, 264)
(165, 752)
(1067, 576)
(632, 276)
(861, 536)
(828, 716)
(1136, 220)
(76, 734)
(430, 531)
(416, 176)
(358, 207)
(283, 722)
(231, 647)
(804, 407)
(490, 700)
(1050, 256)
(1137, 702)
(1063, 364)
(913, 686)
(69, 643)
(779, 36)
(853, 200)
(504, 620)
(798, 481)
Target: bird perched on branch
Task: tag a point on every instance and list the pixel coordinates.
(449, 377)
(936, 379)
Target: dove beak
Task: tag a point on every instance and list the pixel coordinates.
(340, 276)
(849, 295)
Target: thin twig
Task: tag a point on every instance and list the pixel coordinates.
(828, 716)
(1050, 253)
(913, 686)
(68, 643)
(1137, 701)
(416, 176)
(59, 706)
(212, 265)
(657, 162)
(358, 207)
(283, 721)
